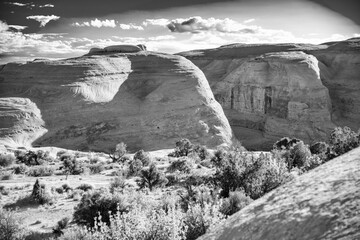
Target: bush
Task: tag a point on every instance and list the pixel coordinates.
(117, 183)
(96, 168)
(10, 226)
(71, 165)
(40, 193)
(32, 158)
(183, 148)
(135, 167)
(298, 154)
(285, 143)
(61, 225)
(344, 140)
(97, 203)
(6, 176)
(119, 152)
(20, 169)
(59, 190)
(235, 202)
(143, 156)
(6, 159)
(85, 187)
(201, 151)
(151, 177)
(40, 171)
(66, 187)
(183, 165)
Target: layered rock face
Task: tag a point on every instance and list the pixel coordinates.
(320, 204)
(147, 100)
(295, 90)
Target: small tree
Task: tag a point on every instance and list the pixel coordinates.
(118, 153)
(344, 140)
(152, 177)
(298, 154)
(71, 165)
(143, 156)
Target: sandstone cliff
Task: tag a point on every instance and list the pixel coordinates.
(296, 90)
(321, 204)
(147, 100)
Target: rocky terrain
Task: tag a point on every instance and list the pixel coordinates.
(147, 100)
(321, 204)
(298, 90)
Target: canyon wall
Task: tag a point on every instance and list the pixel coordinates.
(296, 90)
(147, 100)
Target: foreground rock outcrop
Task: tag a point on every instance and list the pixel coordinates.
(321, 204)
(296, 90)
(147, 100)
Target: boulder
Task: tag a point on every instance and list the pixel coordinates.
(147, 100)
(321, 204)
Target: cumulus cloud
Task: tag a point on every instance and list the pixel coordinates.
(17, 27)
(199, 24)
(156, 22)
(17, 4)
(131, 26)
(249, 20)
(96, 23)
(43, 19)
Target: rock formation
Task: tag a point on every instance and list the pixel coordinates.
(296, 90)
(321, 204)
(147, 100)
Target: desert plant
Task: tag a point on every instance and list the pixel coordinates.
(182, 148)
(6, 159)
(96, 168)
(40, 193)
(20, 169)
(71, 165)
(10, 226)
(182, 164)
(135, 167)
(31, 158)
(117, 183)
(143, 156)
(234, 203)
(61, 225)
(344, 140)
(85, 187)
(97, 203)
(285, 143)
(201, 151)
(298, 154)
(66, 187)
(119, 152)
(151, 177)
(6, 176)
(40, 171)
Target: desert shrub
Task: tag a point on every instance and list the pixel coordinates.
(255, 175)
(41, 194)
(71, 165)
(10, 226)
(182, 148)
(116, 184)
(201, 217)
(135, 167)
(312, 162)
(182, 164)
(219, 157)
(4, 190)
(285, 143)
(76, 194)
(172, 179)
(298, 154)
(32, 158)
(61, 225)
(60, 153)
(6, 176)
(40, 171)
(143, 156)
(151, 177)
(96, 168)
(20, 169)
(201, 151)
(66, 187)
(235, 202)
(85, 187)
(118, 153)
(6, 159)
(98, 203)
(59, 190)
(344, 140)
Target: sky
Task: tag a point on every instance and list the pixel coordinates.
(63, 28)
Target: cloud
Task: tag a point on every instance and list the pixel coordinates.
(43, 19)
(17, 27)
(249, 20)
(46, 5)
(17, 4)
(3, 26)
(131, 26)
(156, 22)
(198, 24)
(96, 23)
(160, 38)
